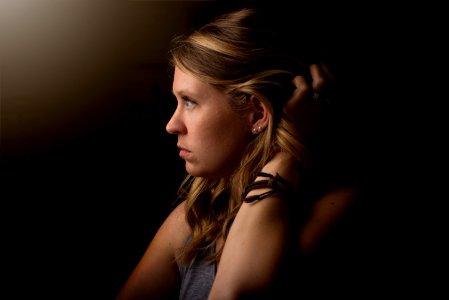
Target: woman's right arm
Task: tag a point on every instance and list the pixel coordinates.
(156, 276)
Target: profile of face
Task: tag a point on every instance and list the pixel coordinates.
(211, 136)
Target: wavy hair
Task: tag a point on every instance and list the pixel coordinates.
(240, 54)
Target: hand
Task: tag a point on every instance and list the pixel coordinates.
(305, 109)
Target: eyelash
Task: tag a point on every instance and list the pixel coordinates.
(188, 103)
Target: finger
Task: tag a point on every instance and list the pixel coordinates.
(326, 70)
(319, 79)
(302, 90)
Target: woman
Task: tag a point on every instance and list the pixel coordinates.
(251, 206)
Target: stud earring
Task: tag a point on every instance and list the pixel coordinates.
(257, 129)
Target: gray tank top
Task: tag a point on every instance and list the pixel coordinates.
(196, 280)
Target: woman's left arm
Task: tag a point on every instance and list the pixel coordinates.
(258, 240)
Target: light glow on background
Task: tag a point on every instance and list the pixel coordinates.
(63, 63)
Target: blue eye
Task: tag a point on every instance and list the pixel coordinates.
(187, 102)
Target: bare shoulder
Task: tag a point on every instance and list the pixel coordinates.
(335, 202)
(156, 274)
(177, 215)
(176, 227)
(324, 215)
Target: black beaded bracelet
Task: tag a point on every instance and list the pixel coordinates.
(276, 183)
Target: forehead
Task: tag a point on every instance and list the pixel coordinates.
(185, 83)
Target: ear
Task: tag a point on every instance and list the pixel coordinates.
(259, 115)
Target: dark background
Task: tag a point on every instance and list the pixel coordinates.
(89, 173)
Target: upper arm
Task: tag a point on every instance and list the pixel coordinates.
(253, 250)
(259, 238)
(156, 274)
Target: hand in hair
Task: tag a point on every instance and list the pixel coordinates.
(305, 108)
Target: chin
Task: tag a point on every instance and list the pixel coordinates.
(193, 171)
(198, 172)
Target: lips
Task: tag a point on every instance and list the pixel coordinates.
(183, 152)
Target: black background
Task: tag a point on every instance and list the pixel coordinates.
(89, 173)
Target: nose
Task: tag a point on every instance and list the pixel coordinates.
(174, 125)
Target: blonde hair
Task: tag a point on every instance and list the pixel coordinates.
(239, 54)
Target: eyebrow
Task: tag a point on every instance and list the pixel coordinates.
(184, 94)
(179, 92)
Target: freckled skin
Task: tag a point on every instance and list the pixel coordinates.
(212, 133)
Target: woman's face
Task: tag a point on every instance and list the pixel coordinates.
(211, 136)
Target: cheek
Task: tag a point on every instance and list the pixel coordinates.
(226, 130)
(224, 141)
